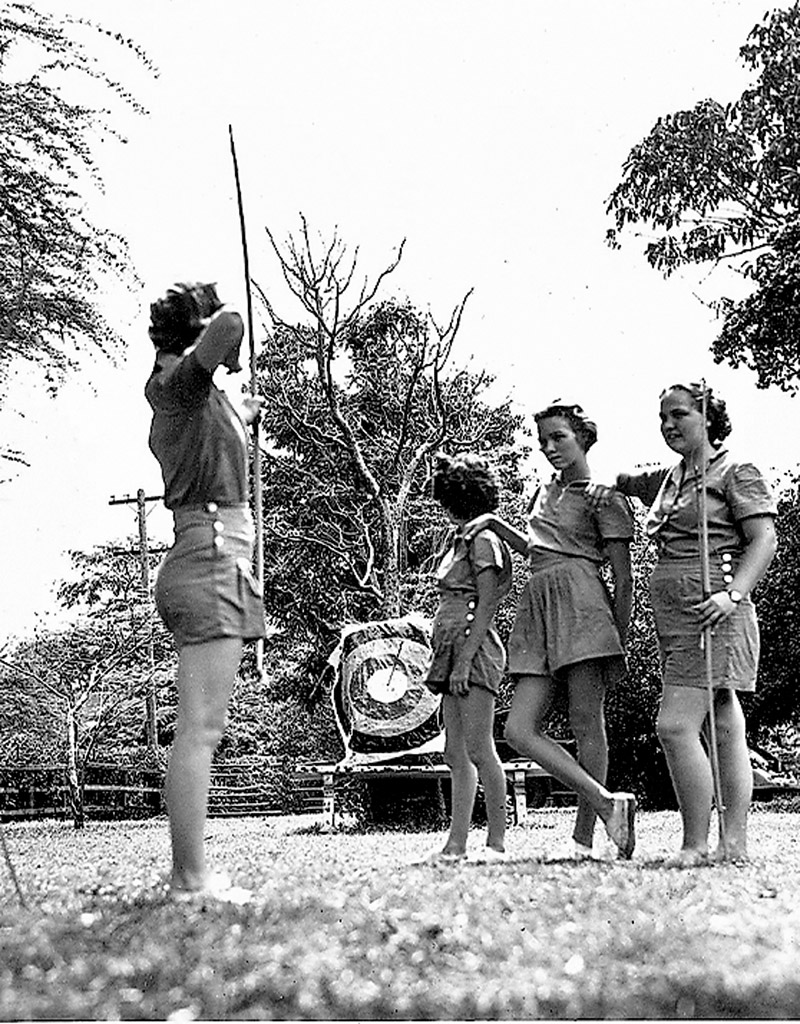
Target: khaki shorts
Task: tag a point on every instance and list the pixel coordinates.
(564, 616)
(205, 589)
(450, 630)
(675, 586)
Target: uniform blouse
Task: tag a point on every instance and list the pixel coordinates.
(561, 520)
(197, 437)
(462, 562)
(734, 491)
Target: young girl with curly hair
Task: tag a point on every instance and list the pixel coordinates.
(468, 657)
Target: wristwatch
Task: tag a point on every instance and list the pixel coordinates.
(735, 596)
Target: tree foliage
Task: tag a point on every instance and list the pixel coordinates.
(778, 599)
(68, 693)
(721, 182)
(361, 394)
(53, 259)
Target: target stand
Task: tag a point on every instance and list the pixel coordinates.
(326, 775)
(385, 713)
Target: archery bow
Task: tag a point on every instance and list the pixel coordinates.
(258, 512)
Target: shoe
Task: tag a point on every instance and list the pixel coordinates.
(440, 857)
(217, 887)
(686, 859)
(621, 825)
(490, 856)
(581, 852)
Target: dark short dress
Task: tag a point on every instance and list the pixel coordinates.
(205, 588)
(458, 599)
(734, 491)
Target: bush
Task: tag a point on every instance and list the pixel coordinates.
(778, 600)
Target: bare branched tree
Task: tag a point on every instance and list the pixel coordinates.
(362, 390)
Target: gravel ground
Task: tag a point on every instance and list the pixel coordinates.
(344, 926)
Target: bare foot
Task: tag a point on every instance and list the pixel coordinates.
(687, 859)
(216, 885)
(730, 853)
(441, 857)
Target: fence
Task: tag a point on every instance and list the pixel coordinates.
(255, 787)
(110, 791)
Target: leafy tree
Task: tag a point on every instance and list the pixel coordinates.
(360, 396)
(110, 588)
(89, 684)
(636, 760)
(775, 701)
(721, 182)
(53, 259)
(72, 692)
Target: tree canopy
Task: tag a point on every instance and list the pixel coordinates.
(53, 259)
(721, 182)
(361, 393)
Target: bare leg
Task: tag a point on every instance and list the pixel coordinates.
(532, 698)
(205, 679)
(477, 718)
(736, 773)
(680, 719)
(463, 775)
(587, 721)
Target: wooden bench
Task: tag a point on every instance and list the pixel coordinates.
(309, 775)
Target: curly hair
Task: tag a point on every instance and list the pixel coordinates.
(584, 428)
(465, 485)
(177, 319)
(719, 423)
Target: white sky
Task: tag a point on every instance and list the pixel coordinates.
(489, 135)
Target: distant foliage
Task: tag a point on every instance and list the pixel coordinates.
(73, 695)
(53, 259)
(775, 703)
(636, 761)
(721, 182)
(362, 393)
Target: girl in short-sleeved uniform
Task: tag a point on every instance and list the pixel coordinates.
(468, 657)
(205, 591)
(568, 631)
(457, 584)
(735, 491)
(740, 514)
(565, 615)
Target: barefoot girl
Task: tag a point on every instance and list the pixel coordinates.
(468, 657)
(741, 533)
(205, 591)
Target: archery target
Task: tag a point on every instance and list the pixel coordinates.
(383, 708)
(386, 685)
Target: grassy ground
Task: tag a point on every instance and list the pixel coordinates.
(342, 926)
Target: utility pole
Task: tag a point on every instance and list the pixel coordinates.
(151, 701)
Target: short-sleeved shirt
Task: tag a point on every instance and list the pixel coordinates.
(462, 562)
(197, 436)
(734, 491)
(562, 520)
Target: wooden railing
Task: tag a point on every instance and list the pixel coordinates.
(529, 785)
(32, 793)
